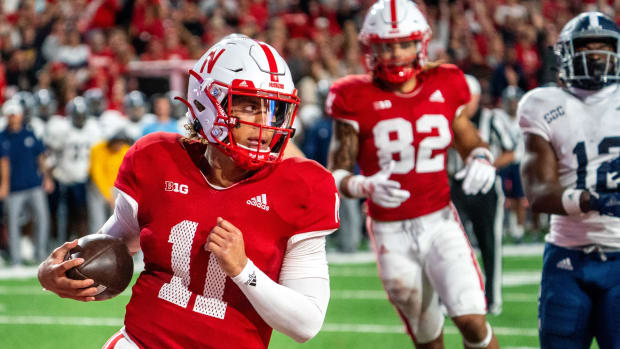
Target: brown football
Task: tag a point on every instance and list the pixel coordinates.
(106, 260)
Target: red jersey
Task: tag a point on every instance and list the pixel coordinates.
(414, 129)
(183, 299)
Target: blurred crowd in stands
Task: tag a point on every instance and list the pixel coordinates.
(106, 70)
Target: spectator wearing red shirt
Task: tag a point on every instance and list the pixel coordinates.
(117, 95)
(155, 51)
(528, 55)
(2, 82)
(147, 23)
(173, 48)
(99, 14)
(260, 12)
(101, 56)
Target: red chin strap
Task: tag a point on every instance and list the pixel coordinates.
(247, 159)
(396, 74)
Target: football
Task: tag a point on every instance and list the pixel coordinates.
(106, 260)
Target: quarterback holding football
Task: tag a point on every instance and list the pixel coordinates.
(233, 236)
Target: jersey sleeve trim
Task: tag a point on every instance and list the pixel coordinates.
(459, 110)
(353, 123)
(308, 235)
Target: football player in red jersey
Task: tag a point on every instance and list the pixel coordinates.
(233, 237)
(397, 123)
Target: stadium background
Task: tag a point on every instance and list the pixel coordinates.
(116, 46)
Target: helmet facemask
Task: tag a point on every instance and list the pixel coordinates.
(398, 70)
(251, 125)
(589, 69)
(391, 22)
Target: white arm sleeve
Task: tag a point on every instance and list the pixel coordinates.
(123, 223)
(297, 305)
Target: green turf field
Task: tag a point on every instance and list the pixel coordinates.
(359, 316)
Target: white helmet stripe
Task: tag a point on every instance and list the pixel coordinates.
(594, 24)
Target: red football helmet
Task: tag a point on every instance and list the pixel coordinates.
(240, 75)
(391, 21)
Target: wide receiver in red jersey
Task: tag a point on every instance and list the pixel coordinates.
(233, 237)
(397, 123)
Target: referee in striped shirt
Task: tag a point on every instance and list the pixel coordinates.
(485, 211)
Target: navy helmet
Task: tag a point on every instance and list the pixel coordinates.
(589, 69)
(95, 101)
(77, 111)
(46, 103)
(510, 98)
(28, 103)
(135, 105)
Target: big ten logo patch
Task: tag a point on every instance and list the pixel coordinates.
(176, 187)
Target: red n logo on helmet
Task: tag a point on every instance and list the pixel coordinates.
(212, 57)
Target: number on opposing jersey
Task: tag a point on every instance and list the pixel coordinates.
(607, 176)
(395, 136)
(176, 291)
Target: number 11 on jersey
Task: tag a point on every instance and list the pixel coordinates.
(210, 303)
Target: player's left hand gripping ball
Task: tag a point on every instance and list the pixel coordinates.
(479, 173)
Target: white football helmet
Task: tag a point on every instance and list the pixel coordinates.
(235, 70)
(389, 21)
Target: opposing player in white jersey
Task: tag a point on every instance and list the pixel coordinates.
(70, 141)
(571, 170)
(136, 109)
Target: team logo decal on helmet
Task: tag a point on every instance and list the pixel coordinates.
(390, 21)
(586, 68)
(237, 76)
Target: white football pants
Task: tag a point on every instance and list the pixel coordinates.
(424, 262)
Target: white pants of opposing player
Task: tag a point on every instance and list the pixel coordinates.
(425, 261)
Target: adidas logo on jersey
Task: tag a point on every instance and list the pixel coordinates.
(565, 264)
(259, 201)
(436, 97)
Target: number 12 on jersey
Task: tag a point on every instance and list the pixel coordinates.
(402, 144)
(607, 173)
